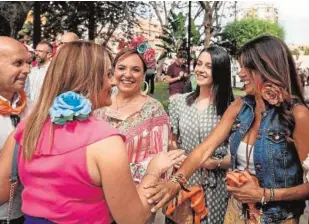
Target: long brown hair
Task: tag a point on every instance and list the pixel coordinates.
(221, 74)
(272, 59)
(79, 66)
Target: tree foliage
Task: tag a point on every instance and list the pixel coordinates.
(295, 52)
(306, 52)
(245, 30)
(211, 18)
(97, 18)
(12, 16)
(174, 35)
(90, 20)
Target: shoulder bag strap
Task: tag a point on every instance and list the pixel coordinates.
(14, 182)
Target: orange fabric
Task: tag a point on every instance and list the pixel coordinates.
(196, 195)
(237, 179)
(6, 109)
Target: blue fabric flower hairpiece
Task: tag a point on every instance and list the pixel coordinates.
(69, 106)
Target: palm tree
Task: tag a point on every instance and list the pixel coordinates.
(174, 38)
(173, 35)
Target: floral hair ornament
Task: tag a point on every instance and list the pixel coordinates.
(147, 53)
(70, 106)
(274, 94)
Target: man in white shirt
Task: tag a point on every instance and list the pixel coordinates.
(43, 54)
(14, 69)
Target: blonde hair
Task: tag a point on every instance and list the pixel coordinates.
(79, 66)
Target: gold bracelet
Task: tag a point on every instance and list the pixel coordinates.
(153, 174)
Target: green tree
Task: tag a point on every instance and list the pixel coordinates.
(12, 17)
(97, 18)
(295, 52)
(306, 51)
(174, 35)
(242, 31)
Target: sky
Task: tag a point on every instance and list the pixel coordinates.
(293, 16)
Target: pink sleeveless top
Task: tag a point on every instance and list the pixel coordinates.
(57, 185)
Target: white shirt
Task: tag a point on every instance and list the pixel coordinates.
(5, 121)
(35, 81)
(6, 127)
(242, 157)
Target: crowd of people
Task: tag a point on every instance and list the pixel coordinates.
(85, 153)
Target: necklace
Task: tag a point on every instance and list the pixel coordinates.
(248, 152)
(125, 104)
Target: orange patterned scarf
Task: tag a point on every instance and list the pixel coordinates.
(6, 109)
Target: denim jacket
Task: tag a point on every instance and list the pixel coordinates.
(276, 161)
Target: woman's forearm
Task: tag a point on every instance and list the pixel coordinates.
(300, 192)
(195, 160)
(226, 162)
(148, 179)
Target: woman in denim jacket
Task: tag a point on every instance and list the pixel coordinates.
(271, 122)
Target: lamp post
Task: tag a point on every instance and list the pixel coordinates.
(189, 38)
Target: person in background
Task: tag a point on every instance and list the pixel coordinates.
(150, 80)
(177, 75)
(14, 69)
(193, 116)
(96, 186)
(68, 37)
(191, 82)
(43, 55)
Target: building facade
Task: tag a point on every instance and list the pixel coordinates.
(260, 11)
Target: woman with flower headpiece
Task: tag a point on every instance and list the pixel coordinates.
(268, 131)
(140, 118)
(65, 155)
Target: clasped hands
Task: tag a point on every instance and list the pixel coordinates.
(161, 193)
(247, 192)
(182, 74)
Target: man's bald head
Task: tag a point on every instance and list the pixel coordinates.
(69, 37)
(10, 46)
(14, 66)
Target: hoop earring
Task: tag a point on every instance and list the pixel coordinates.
(144, 93)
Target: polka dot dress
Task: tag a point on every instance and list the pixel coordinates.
(192, 127)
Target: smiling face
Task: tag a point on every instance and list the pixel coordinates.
(253, 81)
(14, 67)
(203, 70)
(129, 73)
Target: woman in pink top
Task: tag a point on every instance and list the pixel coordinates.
(75, 168)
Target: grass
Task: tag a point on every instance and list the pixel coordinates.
(161, 93)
